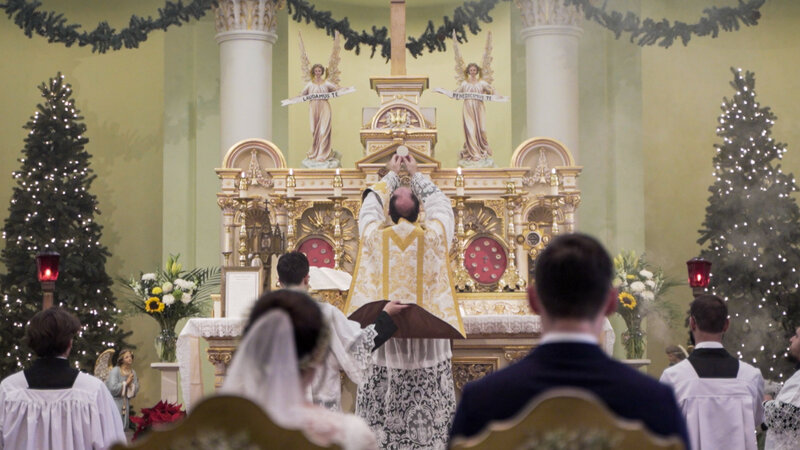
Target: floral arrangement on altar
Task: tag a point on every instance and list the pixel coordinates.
(639, 286)
(162, 413)
(170, 295)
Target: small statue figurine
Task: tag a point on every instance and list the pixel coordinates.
(123, 384)
(321, 81)
(475, 79)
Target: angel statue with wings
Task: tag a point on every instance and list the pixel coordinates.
(474, 79)
(121, 380)
(320, 80)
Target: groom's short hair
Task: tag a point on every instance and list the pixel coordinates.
(292, 268)
(573, 277)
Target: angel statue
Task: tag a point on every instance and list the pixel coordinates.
(320, 80)
(121, 380)
(474, 79)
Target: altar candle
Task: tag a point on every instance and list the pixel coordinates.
(226, 242)
(337, 184)
(553, 182)
(290, 183)
(243, 182)
(459, 182)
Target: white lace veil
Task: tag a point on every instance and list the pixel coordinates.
(265, 370)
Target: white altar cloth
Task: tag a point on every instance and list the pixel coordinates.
(188, 346)
(188, 351)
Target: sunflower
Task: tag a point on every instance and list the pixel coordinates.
(627, 300)
(153, 305)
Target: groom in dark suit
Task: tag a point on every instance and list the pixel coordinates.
(572, 295)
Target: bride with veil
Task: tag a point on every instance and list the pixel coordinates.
(284, 341)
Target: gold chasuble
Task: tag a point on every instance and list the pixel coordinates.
(406, 261)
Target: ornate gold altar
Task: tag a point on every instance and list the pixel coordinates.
(504, 217)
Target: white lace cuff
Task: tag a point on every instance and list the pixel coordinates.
(361, 348)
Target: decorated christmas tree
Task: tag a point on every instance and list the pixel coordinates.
(751, 233)
(52, 210)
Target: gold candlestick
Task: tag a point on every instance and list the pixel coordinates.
(243, 244)
(338, 241)
(463, 282)
(511, 278)
(243, 249)
(291, 203)
(553, 201)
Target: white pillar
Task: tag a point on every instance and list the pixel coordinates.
(551, 32)
(245, 34)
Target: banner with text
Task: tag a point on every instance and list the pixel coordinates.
(322, 96)
(471, 96)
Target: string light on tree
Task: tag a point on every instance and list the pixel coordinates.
(52, 210)
(752, 230)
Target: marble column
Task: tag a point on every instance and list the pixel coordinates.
(551, 33)
(245, 34)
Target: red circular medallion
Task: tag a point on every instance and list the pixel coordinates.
(485, 260)
(318, 251)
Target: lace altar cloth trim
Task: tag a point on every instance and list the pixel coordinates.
(195, 329)
(502, 324)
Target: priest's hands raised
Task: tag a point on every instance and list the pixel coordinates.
(395, 163)
(411, 164)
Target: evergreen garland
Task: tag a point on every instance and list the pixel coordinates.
(51, 209)
(648, 32)
(55, 28)
(465, 18)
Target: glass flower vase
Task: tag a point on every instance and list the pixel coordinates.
(165, 344)
(633, 340)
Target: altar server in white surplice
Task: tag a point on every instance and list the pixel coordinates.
(409, 399)
(783, 413)
(350, 346)
(52, 405)
(719, 395)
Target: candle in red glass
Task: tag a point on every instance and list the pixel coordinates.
(699, 271)
(47, 270)
(47, 266)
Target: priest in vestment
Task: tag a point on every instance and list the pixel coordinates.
(408, 397)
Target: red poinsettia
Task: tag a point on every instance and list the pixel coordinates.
(162, 413)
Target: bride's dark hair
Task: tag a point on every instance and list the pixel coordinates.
(304, 313)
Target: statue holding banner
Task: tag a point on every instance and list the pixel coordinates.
(474, 79)
(320, 84)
